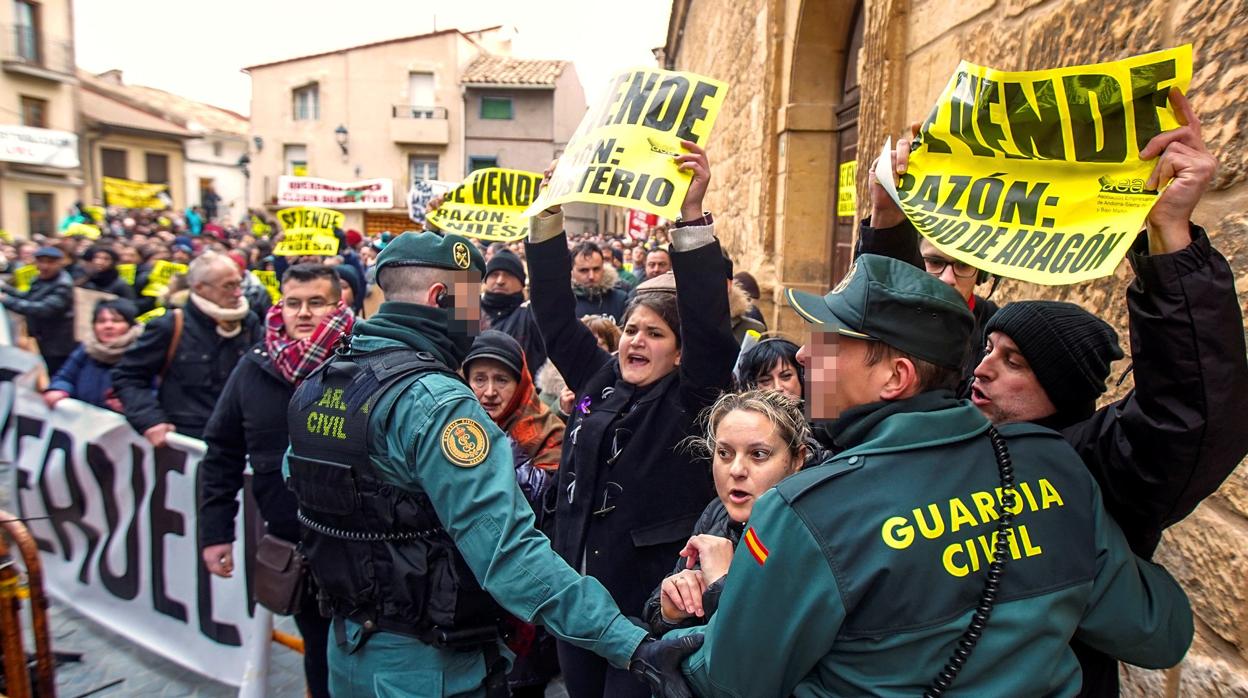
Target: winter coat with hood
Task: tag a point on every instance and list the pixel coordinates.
(627, 496)
(602, 298)
(190, 388)
(49, 310)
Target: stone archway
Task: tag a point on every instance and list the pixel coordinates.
(818, 35)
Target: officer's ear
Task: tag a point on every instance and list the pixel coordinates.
(436, 294)
(903, 379)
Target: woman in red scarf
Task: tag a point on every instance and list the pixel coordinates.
(499, 376)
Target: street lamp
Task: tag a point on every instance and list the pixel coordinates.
(340, 135)
(244, 161)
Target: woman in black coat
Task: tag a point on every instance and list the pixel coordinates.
(628, 495)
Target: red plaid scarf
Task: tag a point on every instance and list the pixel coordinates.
(296, 358)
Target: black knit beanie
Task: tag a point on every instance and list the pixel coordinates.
(492, 344)
(1069, 349)
(506, 260)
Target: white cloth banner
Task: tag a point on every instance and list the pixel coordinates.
(38, 146)
(115, 521)
(421, 193)
(326, 193)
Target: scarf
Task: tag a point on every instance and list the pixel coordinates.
(295, 359)
(229, 320)
(531, 425)
(420, 327)
(497, 305)
(110, 352)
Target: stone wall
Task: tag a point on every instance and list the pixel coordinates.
(911, 47)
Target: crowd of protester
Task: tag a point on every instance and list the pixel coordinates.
(648, 407)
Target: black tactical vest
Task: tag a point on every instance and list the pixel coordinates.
(377, 552)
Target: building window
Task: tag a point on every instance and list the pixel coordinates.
(420, 95)
(296, 158)
(307, 102)
(477, 162)
(422, 167)
(113, 163)
(496, 108)
(217, 148)
(157, 166)
(34, 112)
(39, 213)
(26, 30)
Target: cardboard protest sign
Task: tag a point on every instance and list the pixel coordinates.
(158, 280)
(127, 272)
(130, 194)
(421, 193)
(623, 152)
(490, 205)
(309, 231)
(271, 283)
(1037, 175)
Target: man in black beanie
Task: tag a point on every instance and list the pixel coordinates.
(504, 308)
(1069, 351)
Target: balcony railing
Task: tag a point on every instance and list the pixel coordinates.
(411, 111)
(24, 47)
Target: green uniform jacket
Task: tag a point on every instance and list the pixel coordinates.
(858, 576)
(492, 525)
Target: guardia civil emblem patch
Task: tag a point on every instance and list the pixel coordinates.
(463, 259)
(464, 443)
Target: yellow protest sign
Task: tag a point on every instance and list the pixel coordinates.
(623, 152)
(158, 280)
(259, 228)
(309, 231)
(307, 242)
(490, 204)
(1037, 175)
(96, 213)
(85, 230)
(271, 283)
(126, 272)
(130, 194)
(24, 276)
(151, 315)
(847, 190)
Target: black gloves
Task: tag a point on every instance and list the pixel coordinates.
(656, 663)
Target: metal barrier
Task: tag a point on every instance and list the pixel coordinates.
(16, 675)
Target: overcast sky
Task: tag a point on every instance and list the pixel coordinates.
(196, 49)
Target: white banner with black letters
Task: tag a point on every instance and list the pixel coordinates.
(115, 521)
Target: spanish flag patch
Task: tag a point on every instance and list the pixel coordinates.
(757, 549)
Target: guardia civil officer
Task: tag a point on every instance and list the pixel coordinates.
(413, 525)
(932, 550)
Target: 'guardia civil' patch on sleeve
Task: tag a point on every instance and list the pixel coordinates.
(464, 443)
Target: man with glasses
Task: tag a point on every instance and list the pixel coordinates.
(187, 353)
(249, 426)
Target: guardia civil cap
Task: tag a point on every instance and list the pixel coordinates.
(887, 300)
(427, 249)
